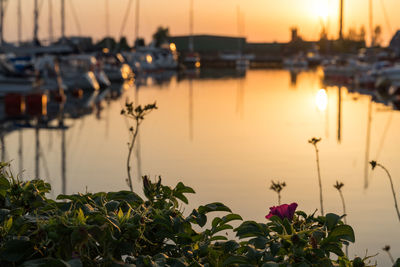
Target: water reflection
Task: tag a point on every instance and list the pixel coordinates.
(321, 99)
(200, 135)
(339, 123)
(293, 77)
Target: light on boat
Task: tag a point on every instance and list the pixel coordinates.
(172, 46)
(197, 64)
(149, 58)
(321, 100)
(106, 50)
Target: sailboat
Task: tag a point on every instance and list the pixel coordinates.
(243, 62)
(191, 59)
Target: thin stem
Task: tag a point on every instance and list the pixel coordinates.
(319, 181)
(344, 205)
(345, 214)
(279, 198)
(393, 192)
(131, 146)
(390, 256)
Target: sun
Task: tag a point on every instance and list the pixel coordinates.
(321, 9)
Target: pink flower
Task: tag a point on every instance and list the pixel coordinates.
(283, 211)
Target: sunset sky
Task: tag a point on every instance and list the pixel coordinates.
(264, 20)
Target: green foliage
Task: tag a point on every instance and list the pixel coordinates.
(122, 229)
(161, 36)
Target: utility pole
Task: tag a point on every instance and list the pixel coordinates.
(341, 21)
(63, 19)
(36, 23)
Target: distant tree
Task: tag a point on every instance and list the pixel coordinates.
(161, 35)
(107, 42)
(123, 44)
(323, 34)
(352, 35)
(139, 42)
(377, 38)
(355, 36)
(362, 33)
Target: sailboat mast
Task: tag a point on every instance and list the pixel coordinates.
(239, 30)
(51, 32)
(19, 23)
(371, 24)
(107, 7)
(107, 21)
(36, 23)
(63, 19)
(1, 22)
(341, 21)
(137, 20)
(191, 41)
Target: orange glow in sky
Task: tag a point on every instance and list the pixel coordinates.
(265, 20)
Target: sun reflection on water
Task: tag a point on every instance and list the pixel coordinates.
(321, 100)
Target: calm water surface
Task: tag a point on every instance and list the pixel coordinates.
(228, 138)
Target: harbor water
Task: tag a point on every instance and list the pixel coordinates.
(228, 135)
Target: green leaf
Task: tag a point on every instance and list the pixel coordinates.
(75, 263)
(48, 262)
(218, 237)
(235, 260)
(81, 216)
(259, 242)
(216, 206)
(334, 248)
(331, 220)
(270, 264)
(342, 232)
(120, 214)
(16, 250)
(397, 263)
(112, 205)
(231, 217)
(250, 229)
(181, 188)
(215, 222)
(3, 214)
(8, 224)
(181, 197)
(276, 219)
(127, 196)
(287, 226)
(230, 246)
(222, 228)
(4, 183)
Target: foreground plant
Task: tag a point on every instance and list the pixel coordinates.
(277, 187)
(137, 114)
(387, 250)
(375, 164)
(338, 187)
(314, 141)
(123, 229)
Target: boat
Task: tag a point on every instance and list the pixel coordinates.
(77, 71)
(150, 59)
(115, 67)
